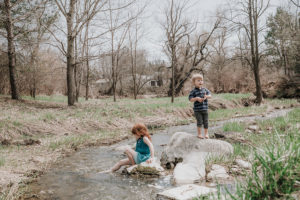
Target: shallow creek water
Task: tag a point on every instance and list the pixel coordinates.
(77, 178)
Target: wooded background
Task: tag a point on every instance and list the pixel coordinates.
(91, 48)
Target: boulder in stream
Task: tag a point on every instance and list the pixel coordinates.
(182, 144)
(191, 170)
(145, 169)
(192, 152)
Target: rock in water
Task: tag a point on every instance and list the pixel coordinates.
(192, 152)
(191, 170)
(145, 169)
(185, 192)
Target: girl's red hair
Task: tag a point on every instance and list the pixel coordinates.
(140, 130)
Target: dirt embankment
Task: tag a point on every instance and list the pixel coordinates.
(34, 135)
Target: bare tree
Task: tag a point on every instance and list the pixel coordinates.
(185, 48)
(137, 57)
(175, 28)
(42, 20)
(6, 9)
(252, 11)
(118, 26)
(192, 54)
(74, 27)
(17, 18)
(86, 48)
(296, 3)
(219, 59)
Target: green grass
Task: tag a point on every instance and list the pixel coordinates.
(222, 114)
(2, 161)
(281, 102)
(48, 117)
(52, 98)
(231, 96)
(16, 123)
(241, 150)
(71, 141)
(276, 167)
(274, 172)
(234, 127)
(75, 141)
(2, 124)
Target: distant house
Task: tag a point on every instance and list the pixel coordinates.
(151, 81)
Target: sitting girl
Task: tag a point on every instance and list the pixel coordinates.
(144, 150)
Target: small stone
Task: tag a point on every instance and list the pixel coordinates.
(234, 169)
(219, 135)
(269, 128)
(42, 192)
(172, 165)
(243, 164)
(217, 172)
(248, 131)
(260, 132)
(50, 192)
(159, 187)
(252, 122)
(253, 128)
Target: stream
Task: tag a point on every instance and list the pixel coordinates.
(77, 178)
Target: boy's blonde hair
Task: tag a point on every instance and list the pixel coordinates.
(196, 76)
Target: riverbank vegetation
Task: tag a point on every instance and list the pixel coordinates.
(37, 133)
(274, 152)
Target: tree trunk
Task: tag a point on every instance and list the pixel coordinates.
(113, 76)
(254, 50)
(87, 79)
(173, 75)
(11, 51)
(113, 66)
(87, 63)
(70, 54)
(256, 68)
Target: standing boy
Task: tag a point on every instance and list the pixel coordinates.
(199, 96)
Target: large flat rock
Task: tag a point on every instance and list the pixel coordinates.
(182, 144)
(185, 192)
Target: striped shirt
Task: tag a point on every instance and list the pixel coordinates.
(199, 92)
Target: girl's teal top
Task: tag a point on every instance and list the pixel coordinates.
(142, 150)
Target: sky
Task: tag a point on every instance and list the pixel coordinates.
(201, 10)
